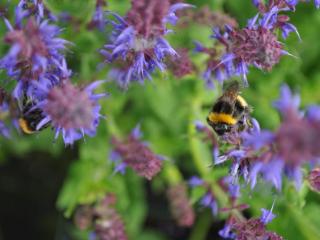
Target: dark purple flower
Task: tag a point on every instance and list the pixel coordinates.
(137, 45)
(253, 228)
(314, 179)
(181, 64)
(251, 46)
(72, 111)
(83, 217)
(108, 223)
(137, 155)
(180, 206)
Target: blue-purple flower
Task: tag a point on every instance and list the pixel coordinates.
(208, 200)
(137, 46)
(73, 112)
(36, 54)
(98, 20)
(285, 151)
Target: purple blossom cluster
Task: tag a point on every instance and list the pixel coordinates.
(255, 45)
(36, 61)
(107, 223)
(283, 152)
(180, 205)
(136, 154)
(137, 45)
(209, 200)
(254, 228)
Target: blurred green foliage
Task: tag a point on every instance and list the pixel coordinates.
(166, 109)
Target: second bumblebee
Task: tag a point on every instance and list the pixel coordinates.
(230, 112)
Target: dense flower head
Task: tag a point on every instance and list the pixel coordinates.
(314, 179)
(181, 65)
(180, 206)
(282, 152)
(137, 46)
(254, 228)
(36, 54)
(255, 45)
(108, 224)
(102, 216)
(136, 154)
(71, 110)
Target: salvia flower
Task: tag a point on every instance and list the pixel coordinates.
(283, 152)
(255, 45)
(137, 45)
(254, 228)
(98, 19)
(180, 206)
(314, 179)
(208, 200)
(108, 224)
(181, 64)
(36, 54)
(72, 111)
(136, 154)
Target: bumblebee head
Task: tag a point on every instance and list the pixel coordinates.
(221, 128)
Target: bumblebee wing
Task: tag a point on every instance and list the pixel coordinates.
(231, 91)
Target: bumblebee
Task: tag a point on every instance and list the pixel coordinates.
(30, 118)
(230, 111)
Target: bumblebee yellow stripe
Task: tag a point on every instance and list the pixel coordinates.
(222, 118)
(242, 101)
(24, 126)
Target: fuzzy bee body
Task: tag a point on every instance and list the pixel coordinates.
(30, 118)
(229, 111)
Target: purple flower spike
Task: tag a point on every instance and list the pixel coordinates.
(314, 179)
(73, 112)
(137, 155)
(137, 46)
(317, 3)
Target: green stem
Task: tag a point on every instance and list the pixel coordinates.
(201, 227)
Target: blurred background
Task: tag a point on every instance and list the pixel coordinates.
(42, 182)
